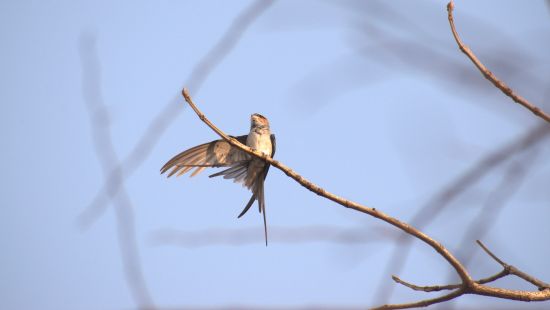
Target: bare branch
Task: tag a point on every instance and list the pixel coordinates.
(493, 256)
(468, 285)
(436, 288)
(489, 75)
(494, 277)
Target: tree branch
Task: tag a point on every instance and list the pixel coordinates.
(339, 200)
(467, 286)
(436, 288)
(477, 287)
(489, 75)
(431, 288)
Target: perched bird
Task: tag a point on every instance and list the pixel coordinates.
(243, 168)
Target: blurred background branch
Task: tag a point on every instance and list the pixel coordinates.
(287, 235)
(100, 124)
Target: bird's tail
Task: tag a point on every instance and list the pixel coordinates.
(261, 205)
(258, 194)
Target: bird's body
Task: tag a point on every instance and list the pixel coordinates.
(258, 139)
(243, 168)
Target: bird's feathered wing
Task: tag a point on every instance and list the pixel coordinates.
(218, 153)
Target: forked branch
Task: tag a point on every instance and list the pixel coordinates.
(461, 289)
(509, 269)
(467, 286)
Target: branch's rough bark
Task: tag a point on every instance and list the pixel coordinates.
(468, 285)
(437, 288)
(489, 75)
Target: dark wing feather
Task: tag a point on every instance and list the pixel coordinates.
(273, 148)
(218, 153)
(248, 205)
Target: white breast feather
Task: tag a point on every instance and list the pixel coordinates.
(259, 142)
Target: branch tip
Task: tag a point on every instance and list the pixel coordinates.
(450, 6)
(489, 75)
(493, 256)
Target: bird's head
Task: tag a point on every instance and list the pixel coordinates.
(258, 121)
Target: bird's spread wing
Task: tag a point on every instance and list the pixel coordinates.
(218, 153)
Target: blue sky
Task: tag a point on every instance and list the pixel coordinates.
(370, 100)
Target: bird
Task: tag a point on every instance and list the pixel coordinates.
(248, 170)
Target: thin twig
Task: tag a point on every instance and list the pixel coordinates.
(436, 288)
(515, 271)
(489, 75)
(430, 288)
